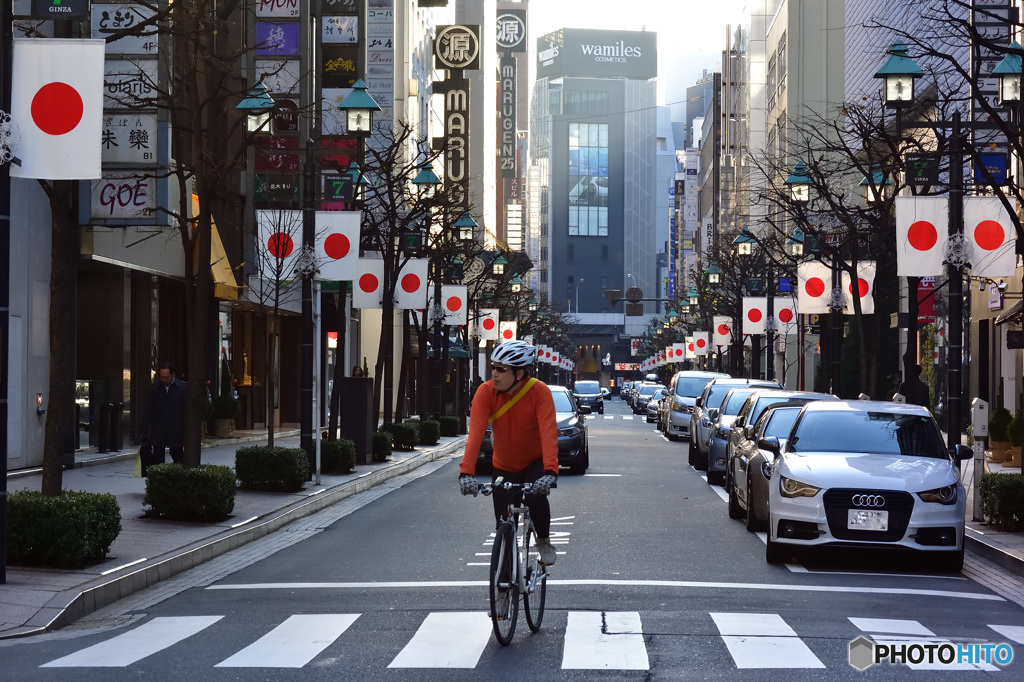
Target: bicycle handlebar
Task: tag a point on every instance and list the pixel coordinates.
(488, 488)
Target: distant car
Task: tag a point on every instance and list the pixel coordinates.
(605, 393)
(589, 393)
(684, 388)
(866, 474)
(573, 441)
(653, 404)
(643, 395)
(624, 390)
(705, 412)
(751, 466)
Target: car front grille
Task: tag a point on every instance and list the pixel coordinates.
(839, 501)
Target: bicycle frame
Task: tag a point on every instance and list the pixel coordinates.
(519, 517)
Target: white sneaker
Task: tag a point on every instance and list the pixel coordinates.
(546, 551)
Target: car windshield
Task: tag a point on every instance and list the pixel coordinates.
(649, 389)
(764, 402)
(563, 402)
(882, 433)
(691, 387)
(583, 387)
(716, 394)
(736, 400)
(779, 422)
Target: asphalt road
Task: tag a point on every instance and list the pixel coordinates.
(653, 581)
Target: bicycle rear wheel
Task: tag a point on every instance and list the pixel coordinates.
(534, 601)
(504, 590)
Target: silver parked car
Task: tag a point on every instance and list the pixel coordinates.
(643, 395)
(654, 404)
(720, 428)
(751, 466)
(705, 412)
(683, 390)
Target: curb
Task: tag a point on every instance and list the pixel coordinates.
(1010, 559)
(74, 603)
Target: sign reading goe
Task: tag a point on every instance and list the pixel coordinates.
(123, 196)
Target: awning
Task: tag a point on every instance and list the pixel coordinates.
(225, 286)
(1013, 314)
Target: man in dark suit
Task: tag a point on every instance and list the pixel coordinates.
(164, 420)
(915, 390)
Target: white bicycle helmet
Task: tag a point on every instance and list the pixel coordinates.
(515, 354)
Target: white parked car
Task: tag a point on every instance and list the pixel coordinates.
(866, 473)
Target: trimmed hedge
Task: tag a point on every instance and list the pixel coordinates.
(73, 530)
(337, 456)
(998, 421)
(381, 446)
(261, 467)
(1013, 430)
(449, 426)
(1002, 501)
(429, 429)
(406, 435)
(203, 493)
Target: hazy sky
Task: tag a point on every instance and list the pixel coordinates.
(691, 33)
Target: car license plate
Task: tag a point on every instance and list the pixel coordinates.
(863, 519)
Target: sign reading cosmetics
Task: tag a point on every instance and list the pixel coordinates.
(598, 54)
(456, 49)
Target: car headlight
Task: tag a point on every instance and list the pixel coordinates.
(944, 495)
(565, 433)
(790, 487)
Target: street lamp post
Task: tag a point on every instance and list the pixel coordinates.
(427, 183)
(578, 282)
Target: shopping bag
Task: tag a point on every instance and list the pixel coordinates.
(138, 464)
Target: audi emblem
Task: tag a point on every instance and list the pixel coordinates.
(868, 501)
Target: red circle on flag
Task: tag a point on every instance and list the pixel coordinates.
(337, 246)
(922, 235)
(814, 286)
(488, 323)
(989, 235)
(368, 283)
(723, 329)
(507, 334)
(754, 315)
(786, 315)
(280, 245)
(453, 303)
(862, 288)
(701, 343)
(690, 346)
(57, 108)
(410, 283)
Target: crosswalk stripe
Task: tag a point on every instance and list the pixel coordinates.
(134, 645)
(293, 643)
(604, 641)
(1014, 632)
(446, 640)
(627, 417)
(892, 626)
(897, 631)
(763, 640)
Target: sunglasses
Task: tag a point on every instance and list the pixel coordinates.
(499, 369)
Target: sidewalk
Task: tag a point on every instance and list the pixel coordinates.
(1004, 549)
(148, 551)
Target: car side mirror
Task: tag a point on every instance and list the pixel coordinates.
(769, 443)
(747, 431)
(713, 414)
(585, 409)
(962, 452)
(699, 402)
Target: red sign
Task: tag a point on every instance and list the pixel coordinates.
(926, 301)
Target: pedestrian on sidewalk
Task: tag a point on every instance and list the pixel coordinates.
(357, 372)
(163, 422)
(915, 390)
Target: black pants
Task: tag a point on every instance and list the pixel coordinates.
(540, 510)
(176, 455)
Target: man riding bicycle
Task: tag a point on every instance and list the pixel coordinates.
(524, 435)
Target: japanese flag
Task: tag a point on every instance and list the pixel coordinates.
(368, 287)
(865, 287)
(815, 281)
(57, 106)
(785, 315)
(280, 243)
(690, 348)
(922, 227)
(337, 245)
(670, 354)
(506, 331)
(988, 227)
(454, 303)
(723, 330)
(700, 343)
(754, 308)
(678, 352)
(411, 288)
(487, 324)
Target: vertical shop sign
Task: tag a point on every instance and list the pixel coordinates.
(507, 117)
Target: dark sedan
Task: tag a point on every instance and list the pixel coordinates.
(589, 393)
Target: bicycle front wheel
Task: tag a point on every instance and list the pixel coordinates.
(504, 590)
(534, 600)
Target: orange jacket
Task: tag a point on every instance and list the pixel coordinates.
(527, 432)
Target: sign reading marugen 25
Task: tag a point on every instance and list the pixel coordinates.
(597, 54)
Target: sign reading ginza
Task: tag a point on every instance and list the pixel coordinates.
(507, 117)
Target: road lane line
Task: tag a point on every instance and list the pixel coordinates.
(604, 475)
(763, 640)
(1014, 632)
(446, 640)
(604, 641)
(134, 645)
(293, 643)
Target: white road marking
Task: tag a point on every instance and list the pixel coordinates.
(293, 643)
(898, 631)
(719, 490)
(134, 645)
(563, 518)
(683, 584)
(627, 417)
(604, 475)
(609, 416)
(763, 640)
(604, 641)
(1014, 632)
(446, 640)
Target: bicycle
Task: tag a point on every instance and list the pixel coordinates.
(512, 571)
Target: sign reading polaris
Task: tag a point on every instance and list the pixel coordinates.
(589, 53)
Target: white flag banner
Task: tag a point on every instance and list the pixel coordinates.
(544, 354)
(411, 287)
(786, 320)
(368, 287)
(337, 245)
(280, 234)
(989, 228)
(691, 348)
(57, 106)
(487, 324)
(678, 352)
(922, 228)
(754, 311)
(701, 343)
(723, 330)
(865, 288)
(454, 299)
(506, 331)
(815, 283)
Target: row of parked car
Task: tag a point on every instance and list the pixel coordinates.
(813, 470)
